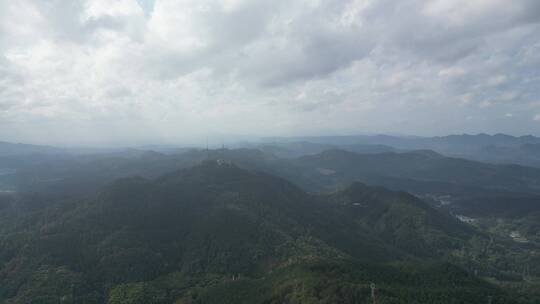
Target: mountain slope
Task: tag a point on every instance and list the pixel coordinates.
(420, 172)
(497, 148)
(422, 166)
(184, 236)
(12, 149)
(401, 219)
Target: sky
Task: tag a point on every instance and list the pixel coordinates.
(114, 72)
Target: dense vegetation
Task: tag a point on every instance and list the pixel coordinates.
(216, 233)
(83, 229)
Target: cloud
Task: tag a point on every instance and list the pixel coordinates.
(182, 69)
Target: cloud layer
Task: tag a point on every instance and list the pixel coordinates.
(134, 71)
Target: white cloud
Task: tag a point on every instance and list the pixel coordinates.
(496, 80)
(180, 69)
(452, 72)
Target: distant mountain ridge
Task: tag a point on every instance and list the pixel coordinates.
(392, 140)
(497, 148)
(17, 149)
(453, 144)
(422, 165)
(421, 171)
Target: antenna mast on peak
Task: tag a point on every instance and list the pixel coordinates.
(373, 293)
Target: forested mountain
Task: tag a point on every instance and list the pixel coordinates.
(216, 233)
(525, 154)
(497, 148)
(301, 148)
(420, 172)
(423, 166)
(12, 149)
(325, 169)
(448, 143)
(249, 226)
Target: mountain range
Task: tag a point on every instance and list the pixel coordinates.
(497, 148)
(216, 233)
(299, 223)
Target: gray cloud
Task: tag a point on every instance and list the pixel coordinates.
(267, 67)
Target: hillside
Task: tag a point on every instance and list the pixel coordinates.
(421, 166)
(496, 148)
(467, 185)
(17, 149)
(184, 235)
(400, 219)
(527, 154)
